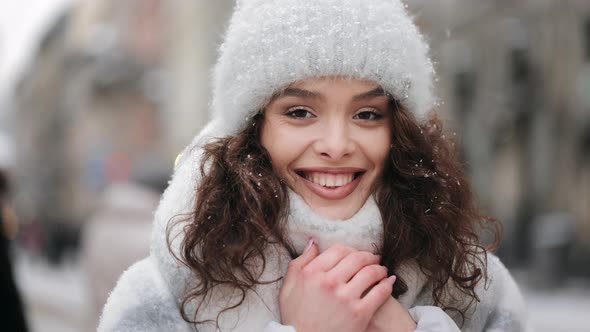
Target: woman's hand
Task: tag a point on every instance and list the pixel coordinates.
(391, 317)
(338, 290)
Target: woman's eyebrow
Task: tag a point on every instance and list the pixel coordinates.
(295, 92)
(377, 92)
(302, 93)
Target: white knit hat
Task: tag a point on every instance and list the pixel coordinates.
(270, 44)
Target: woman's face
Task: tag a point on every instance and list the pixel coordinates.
(329, 138)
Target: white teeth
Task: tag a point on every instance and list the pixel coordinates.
(330, 179)
(330, 182)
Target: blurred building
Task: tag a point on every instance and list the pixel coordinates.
(118, 88)
(89, 113)
(194, 32)
(515, 81)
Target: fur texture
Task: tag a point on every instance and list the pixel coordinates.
(271, 43)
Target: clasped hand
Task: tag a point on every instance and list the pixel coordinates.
(341, 289)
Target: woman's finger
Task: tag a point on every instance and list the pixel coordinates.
(366, 278)
(327, 260)
(297, 264)
(377, 295)
(350, 265)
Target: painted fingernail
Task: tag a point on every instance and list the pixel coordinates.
(309, 244)
(392, 279)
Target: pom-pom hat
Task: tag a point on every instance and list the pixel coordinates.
(270, 44)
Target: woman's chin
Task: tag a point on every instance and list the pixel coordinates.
(334, 204)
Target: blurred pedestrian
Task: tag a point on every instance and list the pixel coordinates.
(323, 195)
(13, 316)
(118, 233)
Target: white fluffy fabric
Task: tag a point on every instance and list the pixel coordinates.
(272, 43)
(362, 231)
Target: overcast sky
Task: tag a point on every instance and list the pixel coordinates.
(22, 23)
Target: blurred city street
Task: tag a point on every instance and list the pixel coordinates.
(565, 308)
(56, 300)
(98, 97)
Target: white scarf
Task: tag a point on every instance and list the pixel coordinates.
(363, 231)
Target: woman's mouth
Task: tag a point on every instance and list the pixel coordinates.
(331, 185)
(329, 180)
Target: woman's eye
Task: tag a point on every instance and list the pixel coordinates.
(298, 112)
(369, 115)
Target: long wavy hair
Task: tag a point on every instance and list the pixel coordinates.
(430, 216)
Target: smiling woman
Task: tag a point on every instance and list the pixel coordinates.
(323, 195)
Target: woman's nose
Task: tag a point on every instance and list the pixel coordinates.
(335, 141)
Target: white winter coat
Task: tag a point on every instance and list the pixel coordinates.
(148, 295)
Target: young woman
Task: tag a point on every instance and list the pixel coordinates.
(323, 195)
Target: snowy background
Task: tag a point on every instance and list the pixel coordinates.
(99, 93)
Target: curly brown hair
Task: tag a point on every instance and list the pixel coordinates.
(429, 213)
